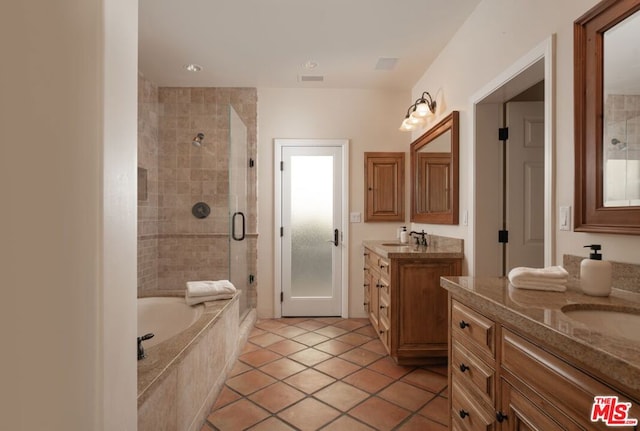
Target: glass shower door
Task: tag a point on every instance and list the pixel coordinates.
(239, 273)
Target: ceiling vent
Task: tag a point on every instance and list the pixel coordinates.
(386, 63)
(310, 78)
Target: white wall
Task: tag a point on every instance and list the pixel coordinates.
(496, 35)
(68, 257)
(369, 119)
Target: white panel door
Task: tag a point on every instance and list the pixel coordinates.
(311, 235)
(525, 184)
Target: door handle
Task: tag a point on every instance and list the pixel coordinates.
(233, 226)
(336, 235)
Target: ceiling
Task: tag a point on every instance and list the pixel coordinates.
(265, 43)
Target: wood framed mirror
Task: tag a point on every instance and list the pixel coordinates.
(607, 118)
(434, 173)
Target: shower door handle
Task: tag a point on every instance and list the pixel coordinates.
(233, 226)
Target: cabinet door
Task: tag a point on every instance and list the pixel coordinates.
(384, 186)
(374, 301)
(521, 413)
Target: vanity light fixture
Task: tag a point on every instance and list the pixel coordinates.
(417, 112)
(193, 67)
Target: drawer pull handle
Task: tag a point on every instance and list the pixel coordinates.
(463, 367)
(378, 285)
(463, 324)
(382, 307)
(381, 332)
(500, 417)
(463, 413)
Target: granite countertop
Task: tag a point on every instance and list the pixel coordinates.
(438, 247)
(539, 315)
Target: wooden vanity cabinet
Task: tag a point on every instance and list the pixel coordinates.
(384, 186)
(501, 380)
(407, 307)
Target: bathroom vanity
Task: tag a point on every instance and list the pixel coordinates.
(404, 300)
(523, 360)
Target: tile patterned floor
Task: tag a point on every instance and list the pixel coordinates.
(326, 374)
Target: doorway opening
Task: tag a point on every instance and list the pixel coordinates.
(512, 168)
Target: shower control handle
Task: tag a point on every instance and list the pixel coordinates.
(233, 226)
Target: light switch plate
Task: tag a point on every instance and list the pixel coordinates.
(564, 221)
(355, 217)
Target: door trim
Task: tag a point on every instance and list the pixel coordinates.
(544, 51)
(277, 216)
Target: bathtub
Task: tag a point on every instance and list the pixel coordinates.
(165, 317)
(188, 359)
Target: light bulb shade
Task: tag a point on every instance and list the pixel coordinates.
(422, 110)
(415, 121)
(406, 126)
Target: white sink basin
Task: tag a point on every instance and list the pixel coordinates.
(621, 322)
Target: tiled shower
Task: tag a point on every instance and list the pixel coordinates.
(173, 245)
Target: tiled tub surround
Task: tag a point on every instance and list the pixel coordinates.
(174, 246)
(538, 315)
(180, 378)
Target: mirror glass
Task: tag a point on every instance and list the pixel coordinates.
(434, 170)
(621, 111)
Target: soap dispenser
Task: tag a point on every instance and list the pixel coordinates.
(595, 274)
(403, 235)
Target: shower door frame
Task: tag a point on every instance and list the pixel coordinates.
(277, 255)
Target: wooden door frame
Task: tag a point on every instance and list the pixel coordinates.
(544, 51)
(277, 219)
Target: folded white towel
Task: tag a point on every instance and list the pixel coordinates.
(193, 300)
(553, 278)
(551, 287)
(208, 288)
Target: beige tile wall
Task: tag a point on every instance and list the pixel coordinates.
(187, 248)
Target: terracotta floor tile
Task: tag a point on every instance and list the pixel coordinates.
(428, 380)
(375, 346)
(272, 424)
(337, 367)
(333, 347)
(226, 396)
(287, 347)
(360, 356)
(368, 380)
(437, 410)
(346, 423)
(206, 427)
(250, 382)
(289, 331)
(368, 331)
(309, 381)
(330, 331)
(269, 324)
(237, 416)
(239, 368)
(260, 357)
(418, 423)
(354, 339)
(266, 339)
(309, 414)
(330, 320)
(255, 332)
(351, 324)
(379, 413)
(440, 369)
(341, 396)
(249, 347)
(310, 357)
(292, 320)
(276, 397)
(282, 368)
(310, 338)
(311, 325)
(389, 368)
(405, 395)
(445, 393)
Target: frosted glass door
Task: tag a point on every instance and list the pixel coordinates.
(311, 238)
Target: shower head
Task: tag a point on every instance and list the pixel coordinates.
(197, 141)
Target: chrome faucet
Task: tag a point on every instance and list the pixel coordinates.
(421, 237)
(141, 354)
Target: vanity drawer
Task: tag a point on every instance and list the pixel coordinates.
(385, 291)
(467, 413)
(473, 371)
(385, 309)
(470, 327)
(567, 388)
(384, 266)
(385, 333)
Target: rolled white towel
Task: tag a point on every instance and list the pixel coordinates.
(541, 285)
(193, 300)
(208, 288)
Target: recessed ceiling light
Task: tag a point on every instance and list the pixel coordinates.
(309, 65)
(193, 67)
